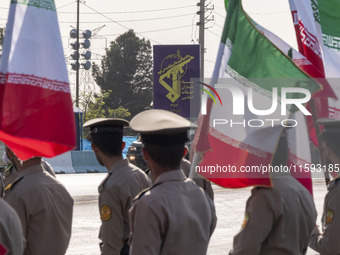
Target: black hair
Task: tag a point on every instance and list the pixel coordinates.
(332, 140)
(110, 143)
(168, 156)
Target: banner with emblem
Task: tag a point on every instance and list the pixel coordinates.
(35, 101)
(262, 64)
(174, 67)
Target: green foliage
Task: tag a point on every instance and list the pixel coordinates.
(126, 71)
(93, 105)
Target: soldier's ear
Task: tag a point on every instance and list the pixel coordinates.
(94, 147)
(146, 155)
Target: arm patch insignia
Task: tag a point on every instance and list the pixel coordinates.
(105, 213)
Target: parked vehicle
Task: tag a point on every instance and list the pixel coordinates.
(135, 154)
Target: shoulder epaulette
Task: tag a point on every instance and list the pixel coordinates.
(11, 185)
(141, 194)
(144, 191)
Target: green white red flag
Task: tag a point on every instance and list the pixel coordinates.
(317, 29)
(256, 60)
(327, 14)
(308, 34)
(36, 110)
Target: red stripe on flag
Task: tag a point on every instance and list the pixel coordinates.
(226, 155)
(229, 154)
(36, 121)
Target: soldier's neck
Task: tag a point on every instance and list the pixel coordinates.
(22, 165)
(110, 161)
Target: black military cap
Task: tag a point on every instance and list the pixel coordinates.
(161, 127)
(102, 125)
(330, 125)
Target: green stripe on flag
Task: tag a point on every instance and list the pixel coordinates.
(258, 60)
(43, 4)
(330, 22)
(329, 17)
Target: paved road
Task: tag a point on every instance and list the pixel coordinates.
(229, 204)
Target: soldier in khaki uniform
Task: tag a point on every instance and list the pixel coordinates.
(327, 242)
(174, 216)
(10, 173)
(43, 205)
(122, 184)
(278, 220)
(201, 182)
(11, 235)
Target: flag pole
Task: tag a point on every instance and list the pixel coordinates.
(317, 131)
(194, 163)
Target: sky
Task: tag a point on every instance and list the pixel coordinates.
(161, 22)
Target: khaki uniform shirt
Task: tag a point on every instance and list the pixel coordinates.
(11, 172)
(201, 182)
(328, 242)
(173, 217)
(116, 193)
(11, 235)
(278, 220)
(45, 209)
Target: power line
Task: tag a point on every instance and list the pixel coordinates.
(66, 5)
(219, 14)
(213, 33)
(209, 61)
(221, 8)
(132, 20)
(218, 25)
(165, 29)
(127, 28)
(193, 38)
(129, 12)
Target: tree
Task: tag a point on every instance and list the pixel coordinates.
(2, 35)
(126, 70)
(93, 106)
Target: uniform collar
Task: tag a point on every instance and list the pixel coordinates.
(31, 170)
(175, 175)
(119, 164)
(333, 183)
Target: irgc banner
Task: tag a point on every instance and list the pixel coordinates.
(175, 66)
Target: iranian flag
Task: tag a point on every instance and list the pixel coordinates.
(235, 143)
(329, 18)
(318, 36)
(36, 110)
(308, 35)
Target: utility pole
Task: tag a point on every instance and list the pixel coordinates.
(77, 71)
(201, 4)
